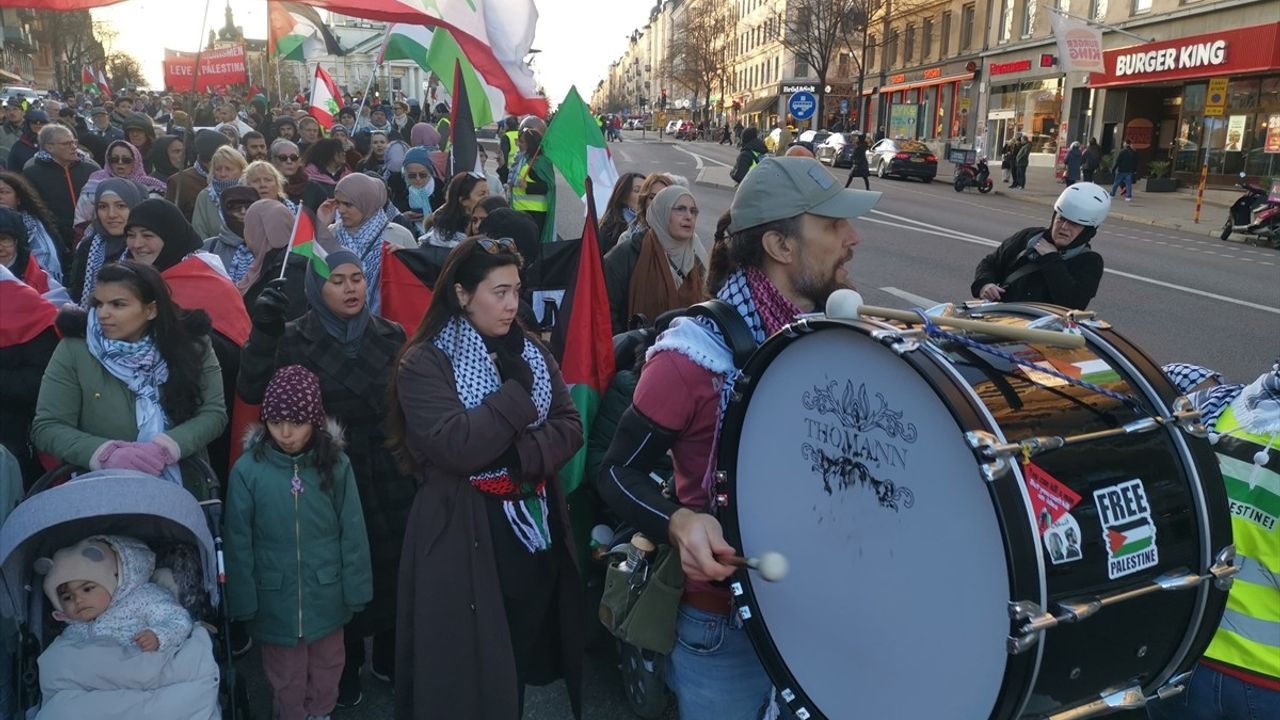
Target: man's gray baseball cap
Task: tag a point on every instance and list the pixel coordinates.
(784, 187)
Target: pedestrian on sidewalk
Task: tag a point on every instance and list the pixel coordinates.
(1007, 156)
(1020, 163)
(1054, 264)
(1074, 161)
(1125, 166)
(1092, 159)
(859, 167)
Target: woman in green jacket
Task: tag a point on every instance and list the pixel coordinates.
(134, 383)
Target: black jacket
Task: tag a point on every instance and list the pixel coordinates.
(750, 154)
(619, 264)
(60, 188)
(1069, 283)
(354, 392)
(24, 367)
(294, 282)
(1126, 161)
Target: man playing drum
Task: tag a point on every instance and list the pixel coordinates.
(788, 247)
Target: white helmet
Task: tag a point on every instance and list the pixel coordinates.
(1084, 203)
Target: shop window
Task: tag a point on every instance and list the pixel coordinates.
(944, 37)
(926, 40)
(1006, 20)
(966, 27)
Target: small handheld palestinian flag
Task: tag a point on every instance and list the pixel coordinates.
(303, 242)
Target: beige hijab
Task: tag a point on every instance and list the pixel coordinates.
(681, 255)
(267, 226)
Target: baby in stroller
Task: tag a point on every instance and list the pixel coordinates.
(128, 643)
(102, 585)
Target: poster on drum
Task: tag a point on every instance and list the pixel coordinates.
(1128, 532)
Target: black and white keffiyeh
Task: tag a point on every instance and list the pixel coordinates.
(476, 378)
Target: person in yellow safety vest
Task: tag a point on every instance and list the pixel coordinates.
(1239, 676)
(531, 188)
(508, 148)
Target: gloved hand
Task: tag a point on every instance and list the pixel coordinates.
(147, 457)
(270, 308)
(511, 366)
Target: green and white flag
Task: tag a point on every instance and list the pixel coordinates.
(576, 147)
(436, 51)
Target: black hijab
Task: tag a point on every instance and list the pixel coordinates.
(158, 158)
(165, 219)
(348, 332)
(11, 224)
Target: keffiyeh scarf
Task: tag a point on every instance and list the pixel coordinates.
(1257, 405)
(216, 188)
(143, 370)
(240, 263)
(42, 246)
(366, 243)
(476, 377)
(97, 258)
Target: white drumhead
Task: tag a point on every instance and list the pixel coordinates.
(887, 612)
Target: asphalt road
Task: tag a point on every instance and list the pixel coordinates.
(1177, 296)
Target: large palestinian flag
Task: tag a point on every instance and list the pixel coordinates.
(298, 33)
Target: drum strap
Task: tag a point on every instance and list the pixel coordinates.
(732, 327)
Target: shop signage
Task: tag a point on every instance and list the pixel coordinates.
(217, 68)
(1009, 67)
(802, 105)
(1225, 53)
(1140, 132)
(1079, 45)
(933, 73)
(902, 121)
(896, 79)
(1273, 134)
(792, 89)
(1235, 133)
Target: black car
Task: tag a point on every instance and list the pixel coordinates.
(903, 158)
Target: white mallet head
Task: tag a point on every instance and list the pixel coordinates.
(843, 304)
(772, 566)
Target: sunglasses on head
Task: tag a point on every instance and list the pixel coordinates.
(121, 159)
(287, 158)
(493, 247)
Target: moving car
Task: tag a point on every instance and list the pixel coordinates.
(903, 158)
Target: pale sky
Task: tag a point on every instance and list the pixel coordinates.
(578, 38)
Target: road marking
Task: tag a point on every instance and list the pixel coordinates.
(621, 155)
(965, 237)
(699, 158)
(917, 300)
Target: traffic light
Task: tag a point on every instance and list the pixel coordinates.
(663, 102)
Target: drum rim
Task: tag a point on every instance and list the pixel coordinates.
(775, 665)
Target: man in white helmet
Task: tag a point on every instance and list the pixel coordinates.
(1054, 264)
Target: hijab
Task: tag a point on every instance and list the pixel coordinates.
(349, 332)
(369, 195)
(419, 197)
(267, 226)
(165, 219)
(137, 172)
(424, 136)
(159, 157)
(681, 255)
(11, 224)
(104, 247)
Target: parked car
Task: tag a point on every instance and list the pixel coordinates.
(814, 137)
(903, 158)
(18, 90)
(837, 150)
(672, 126)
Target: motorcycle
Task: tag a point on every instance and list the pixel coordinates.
(1256, 213)
(978, 176)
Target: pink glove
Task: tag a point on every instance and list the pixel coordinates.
(147, 457)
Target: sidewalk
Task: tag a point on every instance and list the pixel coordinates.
(1173, 210)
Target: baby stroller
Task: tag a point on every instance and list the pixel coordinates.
(63, 508)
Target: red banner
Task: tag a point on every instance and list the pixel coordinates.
(1226, 53)
(217, 68)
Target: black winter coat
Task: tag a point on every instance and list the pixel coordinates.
(60, 188)
(24, 367)
(294, 282)
(354, 391)
(1069, 283)
(750, 154)
(619, 264)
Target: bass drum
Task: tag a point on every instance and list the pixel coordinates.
(936, 572)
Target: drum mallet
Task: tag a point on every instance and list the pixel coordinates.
(772, 566)
(847, 304)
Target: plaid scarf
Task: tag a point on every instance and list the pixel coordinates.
(475, 378)
(42, 246)
(366, 243)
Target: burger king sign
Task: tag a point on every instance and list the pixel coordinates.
(1079, 46)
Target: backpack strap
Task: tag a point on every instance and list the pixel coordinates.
(732, 327)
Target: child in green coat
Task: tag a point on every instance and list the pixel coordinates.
(296, 549)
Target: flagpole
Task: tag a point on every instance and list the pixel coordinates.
(292, 233)
(195, 76)
(365, 97)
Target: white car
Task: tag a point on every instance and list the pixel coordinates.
(672, 126)
(12, 90)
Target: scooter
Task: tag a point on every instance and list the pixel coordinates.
(1256, 213)
(978, 176)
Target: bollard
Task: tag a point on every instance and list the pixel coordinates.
(1204, 173)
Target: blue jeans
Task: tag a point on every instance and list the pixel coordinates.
(1125, 179)
(1212, 695)
(714, 670)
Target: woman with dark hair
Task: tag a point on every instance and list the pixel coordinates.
(353, 352)
(103, 240)
(448, 225)
(489, 593)
(375, 161)
(17, 194)
(653, 184)
(168, 157)
(16, 257)
(123, 161)
(481, 210)
(533, 183)
(325, 163)
(134, 384)
(623, 208)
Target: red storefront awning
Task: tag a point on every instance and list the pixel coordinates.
(925, 83)
(1226, 53)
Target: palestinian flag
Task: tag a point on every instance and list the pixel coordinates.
(577, 148)
(1130, 537)
(103, 85)
(88, 83)
(298, 33)
(303, 241)
(464, 149)
(26, 312)
(436, 51)
(194, 283)
(324, 98)
(408, 277)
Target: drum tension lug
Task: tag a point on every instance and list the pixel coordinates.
(985, 446)
(1224, 568)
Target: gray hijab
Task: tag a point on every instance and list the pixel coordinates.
(682, 255)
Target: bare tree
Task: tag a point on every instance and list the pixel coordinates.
(70, 36)
(699, 57)
(124, 70)
(814, 30)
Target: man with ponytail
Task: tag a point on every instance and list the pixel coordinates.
(782, 248)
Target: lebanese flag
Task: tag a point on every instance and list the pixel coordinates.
(324, 98)
(103, 85)
(584, 342)
(26, 313)
(495, 35)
